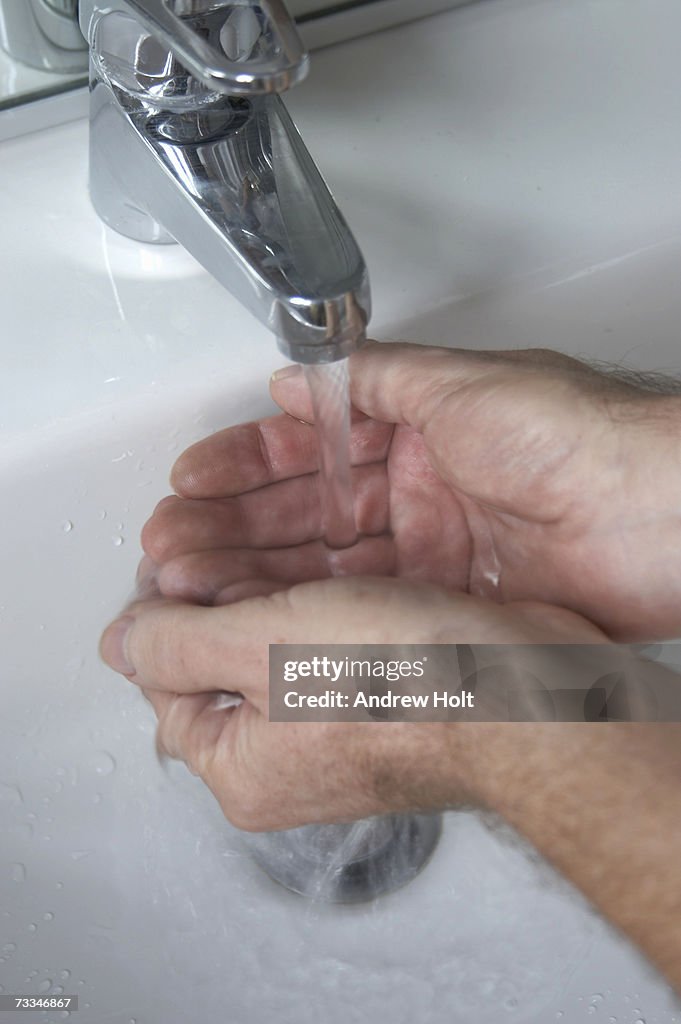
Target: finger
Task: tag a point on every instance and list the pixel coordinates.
(201, 576)
(146, 568)
(252, 455)
(390, 382)
(181, 648)
(261, 772)
(184, 648)
(403, 383)
(284, 514)
(146, 580)
(296, 394)
(498, 427)
(243, 589)
(190, 727)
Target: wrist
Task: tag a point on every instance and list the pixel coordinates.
(644, 520)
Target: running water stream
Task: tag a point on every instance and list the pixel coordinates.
(329, 385)
(343, 863)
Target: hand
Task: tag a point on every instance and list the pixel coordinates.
(573, 790)
(522, 475)
(269, 775)
(527, 466)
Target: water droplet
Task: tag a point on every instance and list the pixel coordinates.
(64, 1014)
(117, 541)
(612, 1020)
(33, 927)
(18, 872)
(79, 854)
(3, 959)
(640, 1021)
(10, 793)
(133, 1020)
(48, 916)
(9, 948)
(58, 989)
(511, 1004)
(103, 763)
(67, 526)
(102, 513)
(60, 885)
(119, 526)
(45, 986)
(591, 1009)
(64, 975)
(597, 998)
(559, 1014)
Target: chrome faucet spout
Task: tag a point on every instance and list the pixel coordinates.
(190, 142)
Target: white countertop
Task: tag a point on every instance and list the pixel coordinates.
(18, 80)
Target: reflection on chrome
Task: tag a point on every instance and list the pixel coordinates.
(43, 34)
(191, 142)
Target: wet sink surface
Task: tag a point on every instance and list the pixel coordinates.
(512, 179)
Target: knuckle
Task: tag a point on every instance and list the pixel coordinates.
(244, 812)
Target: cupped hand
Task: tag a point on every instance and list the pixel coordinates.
(516, 476)
(269, 775)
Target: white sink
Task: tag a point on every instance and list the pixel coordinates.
(511, 170)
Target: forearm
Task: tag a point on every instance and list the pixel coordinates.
(602, 802)
(651, 512)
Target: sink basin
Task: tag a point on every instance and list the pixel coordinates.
(510, 169)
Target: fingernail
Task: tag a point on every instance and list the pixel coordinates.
(285, 373)
(113, 646)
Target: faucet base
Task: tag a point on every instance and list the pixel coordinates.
(111, 185)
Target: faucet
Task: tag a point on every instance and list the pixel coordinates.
(190, 142)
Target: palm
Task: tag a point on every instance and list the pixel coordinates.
(476, 516)
(258, 517)
(427, 519)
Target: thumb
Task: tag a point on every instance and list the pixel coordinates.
(184, 648)
(390, 381)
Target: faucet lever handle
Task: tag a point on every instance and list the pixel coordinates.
(237, 48)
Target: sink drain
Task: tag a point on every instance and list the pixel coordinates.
(349, 863)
